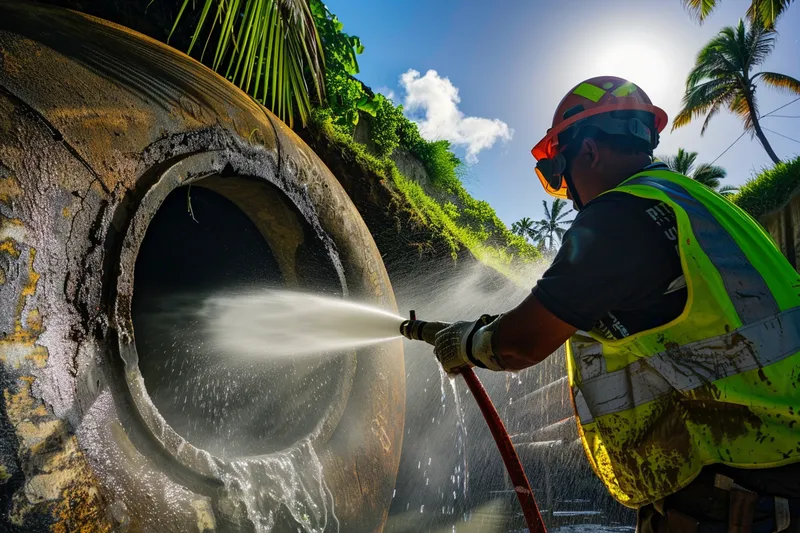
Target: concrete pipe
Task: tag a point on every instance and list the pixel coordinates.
(132, 180)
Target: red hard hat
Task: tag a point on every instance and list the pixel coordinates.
(594, 96)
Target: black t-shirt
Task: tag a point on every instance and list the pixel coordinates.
(618, 270)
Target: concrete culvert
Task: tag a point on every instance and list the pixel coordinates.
(135, 184)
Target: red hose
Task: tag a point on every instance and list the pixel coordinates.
(510, 458)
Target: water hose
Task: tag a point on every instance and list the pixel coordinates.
(426, 331)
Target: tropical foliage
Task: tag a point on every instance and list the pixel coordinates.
(764, 11)
(463, 220)
(346, 95)
(547, 232)
(723, 77)
(770, 189)
(684, 163)
(474, 227)
(524, 227)
(276, 49)
(269, 48)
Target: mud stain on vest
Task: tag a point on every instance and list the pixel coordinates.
(723, 420)
(657, 452)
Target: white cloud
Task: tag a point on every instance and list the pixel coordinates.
(436, 99)
(387, 92)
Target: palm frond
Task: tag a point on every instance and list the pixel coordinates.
(700, 9)
(709, 175)
(711, 114)
(683, 163)
(728, 190)
(266, 47)
(767, 11)
(779, 81)
(558, 205)
(758, 44)
(712, 63)
(702, 99)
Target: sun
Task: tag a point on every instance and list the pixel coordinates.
(641, 63)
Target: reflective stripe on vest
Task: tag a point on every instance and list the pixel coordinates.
(684, 368)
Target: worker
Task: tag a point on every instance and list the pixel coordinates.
(682, 324)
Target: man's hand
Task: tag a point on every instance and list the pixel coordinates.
(467, 344)
(451, 346)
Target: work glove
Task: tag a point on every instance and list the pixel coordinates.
(467, 344)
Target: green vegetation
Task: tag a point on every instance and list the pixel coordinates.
(276, 49)
(722, 76)
(346, 96)
(474, 227)
(269, 48)
(770, 189)
(524, 227)
(764, 11)
(707, 174)
(549, 231)
(461, 220)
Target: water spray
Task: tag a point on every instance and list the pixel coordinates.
(422, 330)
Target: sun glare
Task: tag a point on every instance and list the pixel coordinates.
(640, 63)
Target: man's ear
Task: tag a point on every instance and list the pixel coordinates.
(591, 151)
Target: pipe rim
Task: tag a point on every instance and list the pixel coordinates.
(182, 171)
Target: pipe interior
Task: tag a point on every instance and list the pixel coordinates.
(217, 237)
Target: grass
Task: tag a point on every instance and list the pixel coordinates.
(769, 190)
(490, 241)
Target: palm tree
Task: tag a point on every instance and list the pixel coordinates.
(550, 227)
(523, 227)
(266, 47)
(707, 174)
(764, 11)
(722, 76)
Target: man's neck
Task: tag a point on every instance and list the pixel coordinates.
(628, 167)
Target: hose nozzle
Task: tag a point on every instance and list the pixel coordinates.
(421, 330)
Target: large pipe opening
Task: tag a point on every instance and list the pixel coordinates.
(217, 237)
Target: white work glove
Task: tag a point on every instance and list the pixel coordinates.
(468, 344)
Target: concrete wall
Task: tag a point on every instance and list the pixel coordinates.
(784, 226)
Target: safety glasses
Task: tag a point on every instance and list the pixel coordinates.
(550, 151)
(550, 172)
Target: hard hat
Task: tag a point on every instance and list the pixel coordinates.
(593, 102)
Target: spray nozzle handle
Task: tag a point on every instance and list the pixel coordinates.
(421, 330)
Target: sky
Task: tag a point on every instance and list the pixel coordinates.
(489, 75)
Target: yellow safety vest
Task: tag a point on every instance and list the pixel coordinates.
(720, 383)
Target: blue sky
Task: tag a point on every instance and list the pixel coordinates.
(511, 61)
